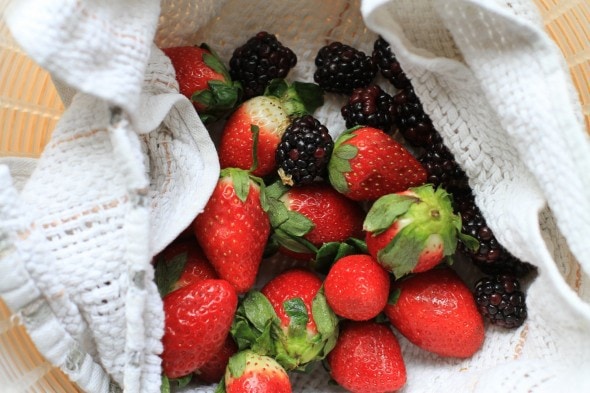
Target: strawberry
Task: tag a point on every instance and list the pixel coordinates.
(357, 287)
(412, 231)
(204, 80)
(180, 264)
(436, 311)
(249, 372)
(304, 218)
(367, 358)
(288, 319)
(367, 163)
(270, 114)
(197, 320)
(214, 369)
(233, 228)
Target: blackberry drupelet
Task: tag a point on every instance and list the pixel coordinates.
(442, 168)
(388, 64)
(304, 151)
(341, 68)
(369, 106)
(413, 123)
(261, 59)
(501, 301)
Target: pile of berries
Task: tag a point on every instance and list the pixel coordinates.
(354, 214)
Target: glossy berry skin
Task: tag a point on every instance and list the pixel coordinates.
(197, 321)
(214, 369)
(367, 164)
(249, 372)
(367, 358)
(196, 266)
(369, 106)
(233, 233)
(357, 287)
(437, 312)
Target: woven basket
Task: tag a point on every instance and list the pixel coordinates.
(30, 109)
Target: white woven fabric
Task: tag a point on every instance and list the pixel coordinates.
(492, 81)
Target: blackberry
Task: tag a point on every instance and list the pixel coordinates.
(413, 123)
(388, 64)
(369, 106)
(341, 68)
(441, 167)
(304, 151)
(501, 301)
(261, 59)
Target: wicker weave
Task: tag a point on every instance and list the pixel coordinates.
(30, 108)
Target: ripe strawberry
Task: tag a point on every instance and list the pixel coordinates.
(304, 218)
(180, 264)
(204, 80)
(214, 369)
(436, 311)
(197, 320)
(357, 287)
(271, 114)
(412, 231)
(233, 228)
(367, 163)
(249, 372)
(288, 319)
(367, 358)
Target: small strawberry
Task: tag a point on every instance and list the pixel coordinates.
(288, 319)
(412, 231)
(180, 264)
(214, 369)
(198, 318)
(304, 218)
(367, 358)
(436, 311)
(271, 114)
(204, 80)
(233, 228)
(367, 163)
(249, 372)
(357, 287)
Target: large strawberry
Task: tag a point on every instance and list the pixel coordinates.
(357, 287)
(198, 318)
(367, 358)
(204, 80)
(270, 114)
(414, 230)
(436, 311)
(233, 228)
(249, 372)
(304, 218)
(367, 163)
(289, 319)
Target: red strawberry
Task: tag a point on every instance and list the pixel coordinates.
(304, 218)
(288, 319)
(197, 320)
(436, 311)
(233, 228)
(249, 372)
(180, 264)
(367, 163)
(357, 287)
(367, 358)
(271, 114)
(214, 370)
(204, 80)
(412, 231)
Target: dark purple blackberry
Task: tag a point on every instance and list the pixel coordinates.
(341, 68)
(369, 106)
(413, 123)
(501, 301)
(261, 59)
(388, 64)
(304, 151)
(441, 167)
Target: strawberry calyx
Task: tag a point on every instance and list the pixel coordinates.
(421, 214)
(257, 327)
(297, 98)
(171, 384)
(339, 163)
(168, 272)
(330, 252)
